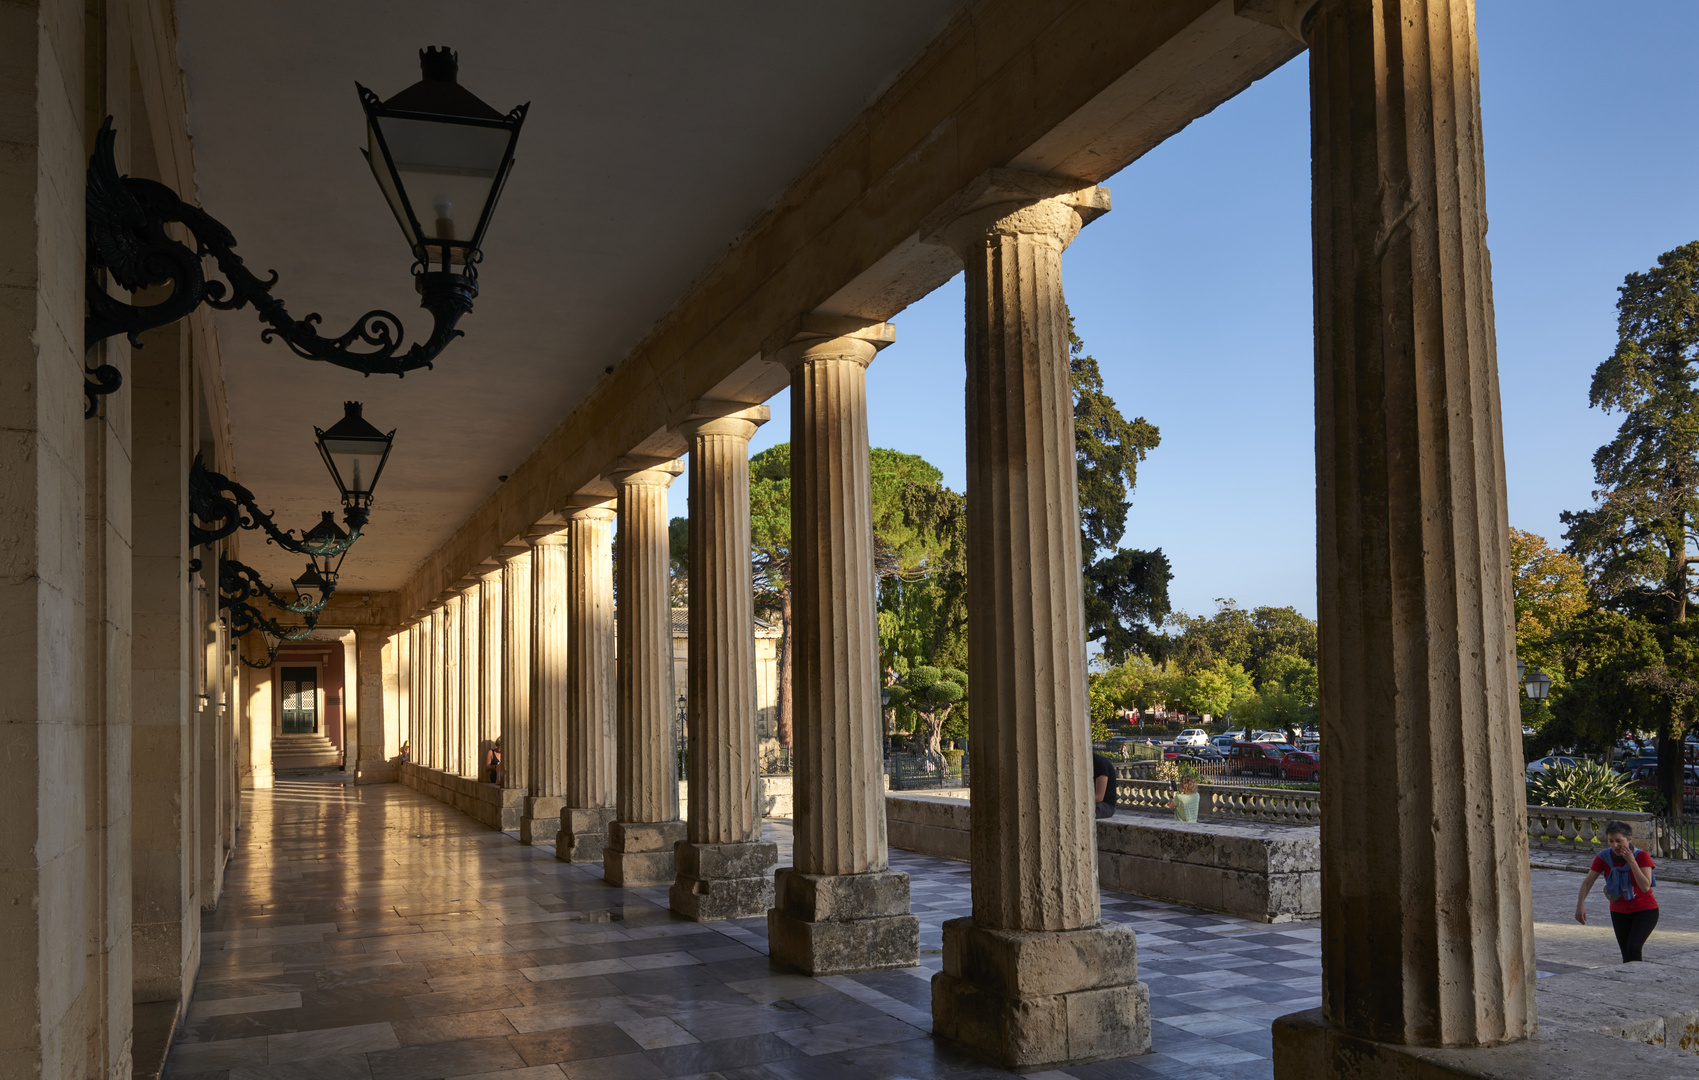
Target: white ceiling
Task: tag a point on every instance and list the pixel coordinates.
(658, 132)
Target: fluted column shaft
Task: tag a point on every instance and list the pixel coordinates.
(647, 762)
(489, 667)
(1034, 844)
(720, 672)
(471, 681)
(452, 618)
(589, 804)
(516, 671)
(1034, 835)
(411, 675)
(434, 669)
(725, 870)
(646, 828)
(1427, 931)
(547, 758)
(840, 805)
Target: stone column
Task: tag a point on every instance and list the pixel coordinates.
(547, 757)
(1033, 977)
(371, 760)
(471, 681)
(489, 666)
(453, 615)
(432, 679)
(641, 840)
(1426, 910)
(725, 871)
(840, 908)
(516, 668)
(256, 714)
(415, 694)
(589, 805)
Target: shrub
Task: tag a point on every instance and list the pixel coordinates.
(1590, 785)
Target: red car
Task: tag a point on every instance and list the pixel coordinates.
(1257, 759)
(1301, 765)
(1646, 776)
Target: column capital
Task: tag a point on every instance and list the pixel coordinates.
(1014, 202)
(817, 336)
(1292, 16)
(736, 418)
(583, 507)
(546, 535)
(643, 470)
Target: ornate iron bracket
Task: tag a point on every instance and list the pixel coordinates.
(224, 506)
(126, 224)
(238, 585)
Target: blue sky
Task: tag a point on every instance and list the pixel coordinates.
(1194, 293)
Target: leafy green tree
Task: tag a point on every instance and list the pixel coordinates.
(678, 550)
(1248, 638)
(1634, 541)
(1126, 590)
(932, 693)
(1212, 689)
(1549, 588)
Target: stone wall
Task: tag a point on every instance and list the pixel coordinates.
(488, 804)
(1271, 873)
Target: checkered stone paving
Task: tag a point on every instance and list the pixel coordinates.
(370, 933)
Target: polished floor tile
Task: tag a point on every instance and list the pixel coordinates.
(370, 933)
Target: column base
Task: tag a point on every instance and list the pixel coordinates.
(583, 833)
(838, 923)
(1024, 1000)
(1307, 1047)
(723, 881)
(641, 853)
(379, 771)
(539, 821)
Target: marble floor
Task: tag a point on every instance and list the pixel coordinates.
(372, 933)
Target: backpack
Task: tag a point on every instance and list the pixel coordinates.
(1619, 880)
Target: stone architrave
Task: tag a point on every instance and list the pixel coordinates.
(1427, 931)
(725, 870)
(1033, 977)
(590, 742)
(643, 835)
(546, 759)
(516, 667)
(840, 908)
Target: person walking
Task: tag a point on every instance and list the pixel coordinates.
(1629, 881)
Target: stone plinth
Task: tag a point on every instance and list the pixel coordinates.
(1032, 999)
(539, 820)
(583, 833)
(1271, 873)
(829, 924)
(723, 881)
(1305, 1045)
(641, 853)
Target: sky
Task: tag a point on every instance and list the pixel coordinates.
(1194, 293)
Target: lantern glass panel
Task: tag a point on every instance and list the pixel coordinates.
(447, 172)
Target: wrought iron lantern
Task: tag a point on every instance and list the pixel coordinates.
(355, 452)
(1539, 684)
(439, 148)
(441, 156)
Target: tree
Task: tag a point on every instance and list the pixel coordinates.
(901, 544)
(1126, 591)
(678, 550)
(1550, 595)
(1248, 638)
(932, 693)
(1634, 541)
(1212, 689)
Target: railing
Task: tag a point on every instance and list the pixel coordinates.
(1568, 828)
(1283, 806)
(909, 773)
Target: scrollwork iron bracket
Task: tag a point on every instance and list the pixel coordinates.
(127, 237)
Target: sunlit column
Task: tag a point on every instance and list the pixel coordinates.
(547, 758)
(516, 669)
(1034, 835)
(589, 805)
(471, 680)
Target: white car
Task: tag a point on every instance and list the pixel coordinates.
(1269, 736)
(1540, 766)
(1196, 736)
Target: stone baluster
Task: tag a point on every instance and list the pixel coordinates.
(647, 827)
(1427, 932)
(547, 757)
(840, 908)
(725, 870)
(590, 742)
(1033, 977)
(516, 667)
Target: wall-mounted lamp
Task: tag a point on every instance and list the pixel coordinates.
(434, 145)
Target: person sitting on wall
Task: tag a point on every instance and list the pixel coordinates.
(1103, 785)
(492, 763)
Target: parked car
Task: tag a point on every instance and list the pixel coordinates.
(1310, 747)
(1268, 737)
(1236, 735)
(1299, 765)
(1629, 764)
(1192, 737)
(1539, 766)
(1255, 759)
(1222, 744)
(1646, 776)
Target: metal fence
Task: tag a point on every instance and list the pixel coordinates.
(910, 773)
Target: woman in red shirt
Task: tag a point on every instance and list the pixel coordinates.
(1634, 910)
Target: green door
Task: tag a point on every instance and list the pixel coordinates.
(300, 700)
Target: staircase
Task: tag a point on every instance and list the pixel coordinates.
(313, 753)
